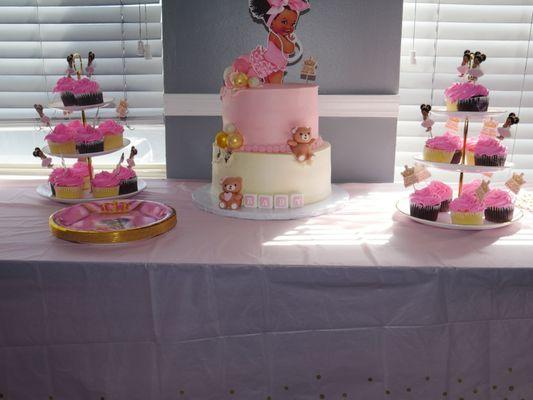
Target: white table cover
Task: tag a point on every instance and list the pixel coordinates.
(361, 304)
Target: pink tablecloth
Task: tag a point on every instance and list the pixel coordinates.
(357, 304)
(367, 232)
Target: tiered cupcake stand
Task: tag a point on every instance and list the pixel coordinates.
(444, 219)
(45, 190)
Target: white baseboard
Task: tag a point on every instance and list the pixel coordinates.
(359, 106)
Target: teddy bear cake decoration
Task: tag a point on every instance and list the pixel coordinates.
(301, 143)
(231, 197)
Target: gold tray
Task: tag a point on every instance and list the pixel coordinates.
(117, 221)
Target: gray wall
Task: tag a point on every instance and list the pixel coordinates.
(357, 43)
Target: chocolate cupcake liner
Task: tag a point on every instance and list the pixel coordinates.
(490, 161)
(53, 189)
(94, 147)
(456, 159)
(430, 213)
(88, 99)
(499, 214)
(128, 186)
(477, 103)
(445, 206)
(68, 99)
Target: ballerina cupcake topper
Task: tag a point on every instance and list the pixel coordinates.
(119, 164)
(46, 162)
(130, 160)
(70, 61)
(426, 121)
(470, 65)
(42, 117)
(505, 130)
(90, 64)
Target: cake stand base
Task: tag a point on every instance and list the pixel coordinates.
(203, 198)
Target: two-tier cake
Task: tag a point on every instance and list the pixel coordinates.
(269, 153)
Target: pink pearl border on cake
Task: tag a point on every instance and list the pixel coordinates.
(278, 148)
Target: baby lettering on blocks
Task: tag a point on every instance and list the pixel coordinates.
(278, 201)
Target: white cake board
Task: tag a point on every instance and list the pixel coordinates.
(203, 198)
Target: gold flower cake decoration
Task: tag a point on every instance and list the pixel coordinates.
(515, 183)
(482, 190)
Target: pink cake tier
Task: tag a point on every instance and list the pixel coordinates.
(266, 115)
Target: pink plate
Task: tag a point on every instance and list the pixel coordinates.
(112, 221)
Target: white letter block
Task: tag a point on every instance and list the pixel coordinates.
(281, 201)
(297, 200)
(266, 201)
(250, 201)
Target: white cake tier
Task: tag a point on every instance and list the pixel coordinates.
(276, 173)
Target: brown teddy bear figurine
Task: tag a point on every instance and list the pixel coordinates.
(231, 196)
(300, 144)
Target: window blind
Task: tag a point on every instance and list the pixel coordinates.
(444, 29)
(36, 36)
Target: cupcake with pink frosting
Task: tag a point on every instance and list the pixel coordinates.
(61, 140)
(128, 180)
(105, 184)
(82, 169)
(467, 96)
(65, 86)
(87, 92)
(444, 192)
(113, 134)
(490, 151)
(89, 140)
(68, 185)
(499, 206)
(425, 204)
(467, 209)
(52, 178)
(444, 149)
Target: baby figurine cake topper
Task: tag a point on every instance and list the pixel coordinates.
(268, 64)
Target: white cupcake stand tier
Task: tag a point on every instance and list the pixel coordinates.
(206, 201)
(444, 219)
(44, 190)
